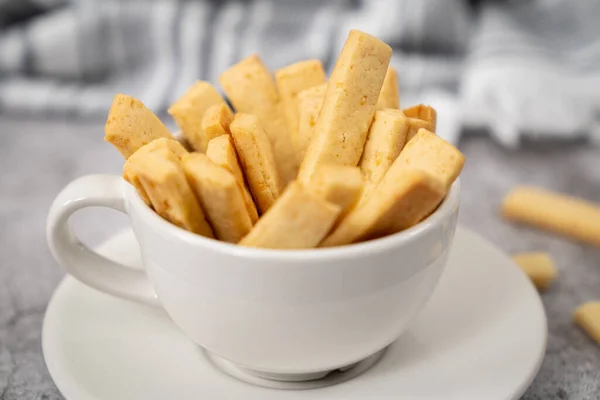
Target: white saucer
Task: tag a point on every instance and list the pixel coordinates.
(482, 336)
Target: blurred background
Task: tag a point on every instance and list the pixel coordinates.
(516, 85)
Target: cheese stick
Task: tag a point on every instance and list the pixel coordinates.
(432, 154)
(539, 267)
(216, 121)
(420, 116)
(390, 93)
(163, 179)
(189, 110)
(352, 92)
(298, 220)
(338, 184)
(130, 125)
(555, 212)
(129, 169)
(256, 157)
(309, 105)
(411, 189)
(292, 80)
(219, 195)
(222, 152)
(386, 138)
(251, 89)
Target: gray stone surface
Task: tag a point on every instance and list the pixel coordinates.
(37, 158)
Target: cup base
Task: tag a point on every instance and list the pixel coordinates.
(286, 381)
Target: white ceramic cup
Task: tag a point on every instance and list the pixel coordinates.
(273, 311)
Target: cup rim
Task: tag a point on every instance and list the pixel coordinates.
(164, 227)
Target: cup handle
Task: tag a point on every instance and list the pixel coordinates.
(78, 259)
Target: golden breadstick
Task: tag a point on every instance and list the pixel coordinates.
(352, 92)
(298, 220)
(410, 190)
(291, 80)
(539, 267)
(403, 198)
(588, 317)
(129, 169)
(555, 212)
(256, 157)
(219, 195)
(251, 89)
(390, 93)
(130, 125)
(163, 179)
(420, 116)
(189, 110)
(216, 121)
(222, 152)
(432, 154)
(309, 105)
(386, 138)
(338, 184)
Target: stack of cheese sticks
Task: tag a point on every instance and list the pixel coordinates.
(302, 162)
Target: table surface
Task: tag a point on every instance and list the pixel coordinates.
(37, 158)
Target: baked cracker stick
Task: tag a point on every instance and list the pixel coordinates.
(163, 179)
(222, 152)
(309, 105)
(386, 138)
(432, 154)
(402, 199)
(390, 93)
(555, 212)
(130, 125)
(298, 220)
(291, 80)
(256, 156)
(129, 169)
(588, 317)
(251, 89)
(189, 110)
(539, 267)
(410, 190)
(420, 116)
(352, 92)
(338, 184)
(216, 121)
(219, 195)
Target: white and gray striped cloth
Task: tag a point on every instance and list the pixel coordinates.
(522, 67)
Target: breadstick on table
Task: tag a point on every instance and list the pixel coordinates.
(220, 197)
(189, 110)
(256, 156)
(349, 105)
(222, 152)
(555, 212)
(420, 116)
(216, 121)
(338, 184)
(251, 89)
(163, 179)
(410, 190)
(588, 317)
(298, 220)
(292, 80)
(130, 125)
(129, 169)
(539, 267)
(309, 105)
(385, 139)
(390, 93)
(432, 154)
